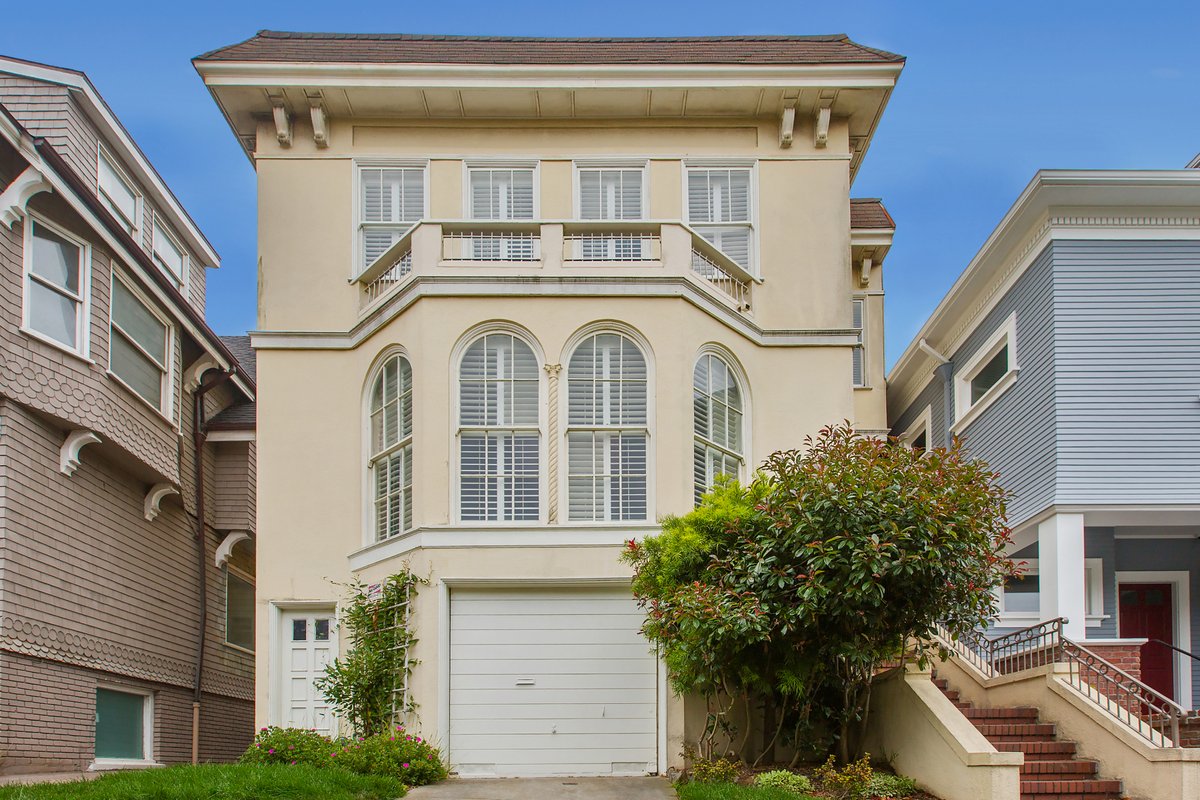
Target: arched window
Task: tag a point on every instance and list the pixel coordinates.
(391, 447)
(607, 430)
(499, 431)
(717, 413)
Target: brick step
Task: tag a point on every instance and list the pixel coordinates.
(941, 683)
(1090, 789)
(1017, 732)
(951, 695)
(1001, 715)
(1053, 769)
(963, 706)
(1039, 751)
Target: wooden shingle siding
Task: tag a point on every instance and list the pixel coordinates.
(1127, 320)
(88, 580)
(49, 111)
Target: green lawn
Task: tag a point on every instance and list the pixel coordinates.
(729, 791)
(218, 782)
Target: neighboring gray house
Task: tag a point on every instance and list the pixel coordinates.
(1067, 356)
(126, 585)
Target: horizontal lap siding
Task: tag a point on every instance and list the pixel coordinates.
(1128, 362)
(933, 396)
(1016, 434)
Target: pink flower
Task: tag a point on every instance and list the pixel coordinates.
(405, 765)
(271, 751)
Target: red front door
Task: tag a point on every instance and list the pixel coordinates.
(1147, 613)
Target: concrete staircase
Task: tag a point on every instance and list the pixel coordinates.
(1051, 770)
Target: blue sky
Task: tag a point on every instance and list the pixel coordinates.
(991, 93)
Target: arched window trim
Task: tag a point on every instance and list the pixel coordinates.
(369, 456)
(564, 409)
(456, 357)
(739, 375)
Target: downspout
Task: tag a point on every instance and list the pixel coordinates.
(946, 370)
(199, 435)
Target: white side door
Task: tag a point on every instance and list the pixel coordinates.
(309, 645)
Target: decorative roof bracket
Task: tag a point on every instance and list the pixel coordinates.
(864, 270)
(16, 196)
(153, 503)
(320, 122)
(821, 128)
(68, 454)
(283, 120)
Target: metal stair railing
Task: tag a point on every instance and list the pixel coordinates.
(1135, 705)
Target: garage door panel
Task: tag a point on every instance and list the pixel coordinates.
(502, 652)
(559, 666)
(575, 681)
(566, 697)
(557, 637)
(493, 622)
(590, 708)
(595, 711)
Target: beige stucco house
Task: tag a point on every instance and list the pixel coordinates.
(519, 299)
(126, 454)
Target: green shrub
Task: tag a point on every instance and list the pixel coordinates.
(397, 754)
(719, 770)
(886, 785)
(400, 755)
(851, 782)
(782, 779)
(275, 745)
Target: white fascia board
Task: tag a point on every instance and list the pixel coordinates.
(124, 145)
(1034, 201)
(466, 76)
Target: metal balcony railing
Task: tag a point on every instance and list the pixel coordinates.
(1146, 712)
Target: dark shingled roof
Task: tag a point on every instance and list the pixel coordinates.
(408, 48)
(868, 212)
(239, 416)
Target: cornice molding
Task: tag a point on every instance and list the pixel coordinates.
(425, 286)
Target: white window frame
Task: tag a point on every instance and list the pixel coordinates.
(83, 308)
(157, 226)
(167, 411)
(1093, 581)
(964, 411)
(104, 157)
(246, 577)
(356, 221)
(503, 165)
(564, 411)
(369, 457)
(456, 428)
(147, 759)
(739, 375)
(704, 165)
(861, 347)
(922, 424)
(594, 165)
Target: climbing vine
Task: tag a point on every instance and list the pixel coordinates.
(368, 686)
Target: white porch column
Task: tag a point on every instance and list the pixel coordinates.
(1061, 572)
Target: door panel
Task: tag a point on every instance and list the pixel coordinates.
(1147, 612)
(310, 644)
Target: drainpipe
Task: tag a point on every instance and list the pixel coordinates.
(199, 435)
(945, 370)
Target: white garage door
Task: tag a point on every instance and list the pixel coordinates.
(550, 682)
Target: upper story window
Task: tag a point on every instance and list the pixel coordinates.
(139, 347)
(502, 193)
(391, 200)
(717, 414)
(499, 431)
(607, 430)
(986, 375)
(390, 462)
(117, 192)
(720, 208)
(168, 252)
(611, 193)
(858, 321)
(56, 280)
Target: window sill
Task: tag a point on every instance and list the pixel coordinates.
(990, 396)
(57, 345)
(239, 648)
(1004, 620)
(109, 764)
(864, 388)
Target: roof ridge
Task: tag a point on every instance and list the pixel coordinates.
(449, 37)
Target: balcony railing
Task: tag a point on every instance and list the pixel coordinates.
(632, 249)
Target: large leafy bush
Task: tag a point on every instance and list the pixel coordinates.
(394, 754)
(781, 599)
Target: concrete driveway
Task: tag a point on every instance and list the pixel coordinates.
(547, 789)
